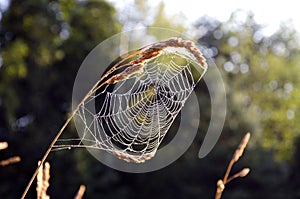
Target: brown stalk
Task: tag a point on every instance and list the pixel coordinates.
(236, 156)
(80, 192)
(43, 177)
(3, 145)
(10, 160)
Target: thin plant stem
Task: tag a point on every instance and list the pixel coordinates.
(80, 192)
(236, 156)
(229, 167)
(3, 145)
(43, 177)
(59, 134)
(242, 173)
(11, 160)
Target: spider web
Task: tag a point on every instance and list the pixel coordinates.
(139, 99)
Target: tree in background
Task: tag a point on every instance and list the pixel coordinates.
(262, 79)
(141, 14)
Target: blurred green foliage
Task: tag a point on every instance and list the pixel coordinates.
(262, 80)
(42, 46)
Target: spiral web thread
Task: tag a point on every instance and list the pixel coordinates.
(138, 99)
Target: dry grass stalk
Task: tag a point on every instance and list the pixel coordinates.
(244, 172)
(220, 188)
(43, 177)
(80, 192)
(3, 145)
(239, 151)
(10, 160)
(240, 174)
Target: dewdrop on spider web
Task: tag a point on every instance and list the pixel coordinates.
(138, 99)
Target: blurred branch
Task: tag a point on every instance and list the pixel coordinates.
(236, 156)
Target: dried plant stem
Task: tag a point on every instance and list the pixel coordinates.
(229, 167)
(242, 173)
(43, 177)
(220, 189)
(80, 192)
(236, 156)
(47, 153)
(10, 160)
(3, 145)
(55, 139)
